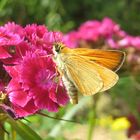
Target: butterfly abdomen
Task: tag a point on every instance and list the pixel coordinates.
(71, 89)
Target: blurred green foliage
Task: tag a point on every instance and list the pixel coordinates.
(65, 15)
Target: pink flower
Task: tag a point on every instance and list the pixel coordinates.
(38, 76)
(33, 83)
(125, 42)
(25, 54)
(105, 31)
(11, 35)
(21, 102)
(14, 28)
(71, 39)
(41, 38)
(108, 27)
(89, 30)
(7, 39)
(130, 41)
(27, 110)
(30, 38)
(16, 53)
(135, 41)
(112, 43)
(34, 29)
(120, 33)
(35, 33)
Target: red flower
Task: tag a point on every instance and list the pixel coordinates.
(33, 83)
(136, 136)
(134, 127)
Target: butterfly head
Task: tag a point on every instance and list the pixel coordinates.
(57, 47)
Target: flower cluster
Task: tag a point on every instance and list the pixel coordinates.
(107, 32)
(28, 74)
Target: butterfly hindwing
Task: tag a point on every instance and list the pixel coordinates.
(86, 79)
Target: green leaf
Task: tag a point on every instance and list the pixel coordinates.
(126, 90)
(23, 130)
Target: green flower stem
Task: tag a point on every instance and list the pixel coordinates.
(13, 134)
(92, 123)
(23, 130)
(92, 117)
(68, 115)
(2, 133)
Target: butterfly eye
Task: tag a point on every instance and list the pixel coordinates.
(57, 47)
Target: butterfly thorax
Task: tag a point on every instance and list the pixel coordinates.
(57, 48)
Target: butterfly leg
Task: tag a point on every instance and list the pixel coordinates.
(59, 74)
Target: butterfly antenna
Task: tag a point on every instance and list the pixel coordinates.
(60, 119)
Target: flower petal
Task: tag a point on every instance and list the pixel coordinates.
(4, 54)
(29, 109)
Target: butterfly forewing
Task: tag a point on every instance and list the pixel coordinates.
(86, 79)
(111, 59)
